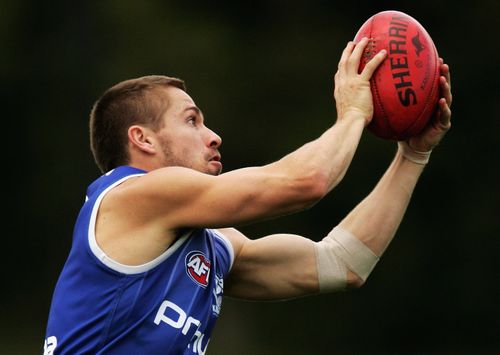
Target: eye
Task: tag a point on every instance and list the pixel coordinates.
(191, 120)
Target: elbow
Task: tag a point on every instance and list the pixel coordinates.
(354, 281)
(314, 187)
(297, 192)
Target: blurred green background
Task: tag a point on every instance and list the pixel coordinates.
(262, 73)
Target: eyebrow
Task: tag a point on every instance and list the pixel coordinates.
(194, 108)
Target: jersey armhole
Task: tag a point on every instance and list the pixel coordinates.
(112, 264)
(228, 246)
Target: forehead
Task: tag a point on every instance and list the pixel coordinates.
(178, 100)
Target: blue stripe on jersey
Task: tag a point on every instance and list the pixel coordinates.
(167, 306)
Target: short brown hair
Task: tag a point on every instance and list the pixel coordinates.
(134, 101)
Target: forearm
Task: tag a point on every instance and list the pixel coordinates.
(375, 220)
(328, 157)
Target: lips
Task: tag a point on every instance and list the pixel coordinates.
(216, 157)
(215, 160)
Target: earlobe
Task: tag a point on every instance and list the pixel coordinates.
(141, 138)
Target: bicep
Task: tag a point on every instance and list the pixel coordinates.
(186, 198)
(277, 266)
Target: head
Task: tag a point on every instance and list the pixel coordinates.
(151, 122)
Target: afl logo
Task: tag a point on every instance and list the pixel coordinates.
(198, 267)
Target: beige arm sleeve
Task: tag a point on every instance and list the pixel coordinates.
(337, 252)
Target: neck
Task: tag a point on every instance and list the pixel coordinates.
(147, 165)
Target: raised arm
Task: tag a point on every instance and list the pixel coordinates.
(285, 266)
(275, 267)
(179, 197)
(143, 216)
(375, 220)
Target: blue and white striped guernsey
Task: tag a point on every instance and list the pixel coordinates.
(166, 306)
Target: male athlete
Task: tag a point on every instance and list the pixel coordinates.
(153, 249)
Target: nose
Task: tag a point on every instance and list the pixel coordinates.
(214, 140)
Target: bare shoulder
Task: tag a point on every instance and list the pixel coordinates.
(235, 237)
(132, 225)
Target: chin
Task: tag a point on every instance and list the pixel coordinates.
(214, 168)
(214, 172)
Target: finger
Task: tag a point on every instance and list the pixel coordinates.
(445, 90)
(445, 114)
(373, 64)
(345, 55)
(355, 58)
(445, 70)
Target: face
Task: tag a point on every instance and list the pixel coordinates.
(184, 138)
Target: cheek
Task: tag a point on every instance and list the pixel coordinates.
(186, 147)
(189, 151)
(194, 143)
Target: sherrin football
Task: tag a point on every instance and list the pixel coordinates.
(405, 87)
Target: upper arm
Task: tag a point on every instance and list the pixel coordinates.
(273, 267)
(180, 197)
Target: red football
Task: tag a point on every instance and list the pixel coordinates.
(405, 87)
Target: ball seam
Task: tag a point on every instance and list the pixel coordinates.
(427, 98)
(376, 91)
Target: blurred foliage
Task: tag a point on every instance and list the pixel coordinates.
(262, 73)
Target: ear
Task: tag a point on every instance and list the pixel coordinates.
(142, 139)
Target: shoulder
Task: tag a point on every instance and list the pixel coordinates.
(153, 189)
(236, 239)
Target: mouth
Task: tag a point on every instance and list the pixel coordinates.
(216, 157)
(215, 160)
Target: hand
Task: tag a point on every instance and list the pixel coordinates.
(352, 89)
(440, 123)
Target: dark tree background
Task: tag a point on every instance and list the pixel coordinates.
(262, 73)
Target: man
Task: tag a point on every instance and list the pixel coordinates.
(153, 248)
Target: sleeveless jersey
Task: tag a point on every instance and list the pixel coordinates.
(166, 306)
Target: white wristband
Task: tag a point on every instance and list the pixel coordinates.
(413, 155)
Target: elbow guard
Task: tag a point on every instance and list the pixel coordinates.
(338, 252)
